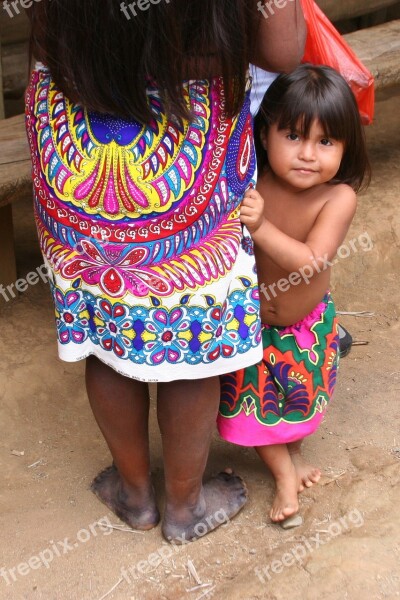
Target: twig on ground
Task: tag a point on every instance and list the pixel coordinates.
(112, 589)
(192, 571)
(350, 313)
(35, 464)
(121, 528)
(209, 592)
(198, 587)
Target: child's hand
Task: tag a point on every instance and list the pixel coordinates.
(252, 210)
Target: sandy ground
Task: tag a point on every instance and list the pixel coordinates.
(349, 545)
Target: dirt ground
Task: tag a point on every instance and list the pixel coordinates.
(50, 449)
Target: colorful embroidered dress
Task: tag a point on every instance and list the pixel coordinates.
(284, 397)
(139, 226)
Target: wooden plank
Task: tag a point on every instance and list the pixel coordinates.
(338, 10)
(379, 49)
(13, 28)
(15, 164)
(13, 140)
(15, 69)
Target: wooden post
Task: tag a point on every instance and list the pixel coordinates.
(2, 112)
(8, 267)
(8, 270)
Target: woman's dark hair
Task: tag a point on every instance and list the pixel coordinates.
(101, 53)
(294, 101)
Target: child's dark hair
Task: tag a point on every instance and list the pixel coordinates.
(295, 100)
(101, 54)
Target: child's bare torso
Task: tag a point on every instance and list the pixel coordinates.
(288, 297)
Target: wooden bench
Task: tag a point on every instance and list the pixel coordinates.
(339, 10)
(15, 180)
(378, 47)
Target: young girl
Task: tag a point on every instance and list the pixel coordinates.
(312, 159)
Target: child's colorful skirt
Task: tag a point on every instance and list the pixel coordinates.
(139, 228)
(283, 398)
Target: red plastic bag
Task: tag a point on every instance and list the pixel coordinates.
(325, 46)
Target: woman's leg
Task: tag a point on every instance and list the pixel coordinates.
(277, 459)
(121, 408)
(187, 412)
(308, 474)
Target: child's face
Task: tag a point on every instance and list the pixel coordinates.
(302, 162)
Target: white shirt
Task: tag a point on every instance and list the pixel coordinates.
(261, 82)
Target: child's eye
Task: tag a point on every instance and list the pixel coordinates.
(326, 142)
(293, 137)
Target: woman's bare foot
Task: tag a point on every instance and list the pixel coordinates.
(286, 502)
(307, 474)
(136, 508)
(222, 497)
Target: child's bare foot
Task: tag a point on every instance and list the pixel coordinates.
(222, 498)
(307, 474)
(136, 508)
(286, 502)
(277, 459)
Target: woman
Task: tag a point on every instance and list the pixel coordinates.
(141, 145)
